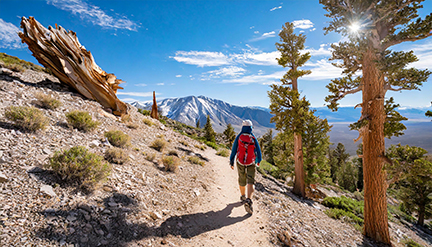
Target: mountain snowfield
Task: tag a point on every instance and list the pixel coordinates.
(192, 108)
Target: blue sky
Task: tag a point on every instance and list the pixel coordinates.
(220, 49)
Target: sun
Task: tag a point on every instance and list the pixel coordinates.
(355, 27)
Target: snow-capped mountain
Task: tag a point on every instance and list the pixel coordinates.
(190, 109)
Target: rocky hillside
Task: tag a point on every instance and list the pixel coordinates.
(142, 204)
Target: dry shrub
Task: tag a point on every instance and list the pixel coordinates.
(27, 118)
(118, 139)
(150, 157)
(196, 160)
(78, 165)
(47, 101)
(116, 156)
(132, 126)
(159, 144)
(171, 163)
(223, 152)
(81, 120)
(148, 122)
(173, 153)
(184, 143)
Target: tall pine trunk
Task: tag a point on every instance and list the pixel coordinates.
(299, 181)
(421, 214)
(375, 208)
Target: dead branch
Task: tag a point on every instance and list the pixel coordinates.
(71, 63)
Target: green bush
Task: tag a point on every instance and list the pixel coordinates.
(144, 112)
(118, 139)
(267, 168)
(116, 156)
(411, 243)
(196, 160)
(223, 152)
(27, 118)
(163, 121)
(171, 163)
(81, 120)
(212, 145)
(345, 203)
(78, 165)
(47, 101)
(349, 217)
(159, 144)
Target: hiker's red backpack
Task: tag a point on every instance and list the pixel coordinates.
(246, 149)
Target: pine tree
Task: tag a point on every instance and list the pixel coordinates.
(229, 135)
(209, 135)
(338, 157)
(380, 25)
(290, 111)
(316, 142)
(267, 146)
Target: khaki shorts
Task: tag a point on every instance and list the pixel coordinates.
(246, 174)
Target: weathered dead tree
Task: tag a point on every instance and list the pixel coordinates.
(71, 63)
(154, 110)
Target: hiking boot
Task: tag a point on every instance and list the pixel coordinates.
(248, 206)
(242, 198)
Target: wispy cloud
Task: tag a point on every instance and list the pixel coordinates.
(257, 58)
(231, 71)
(258, 78)
(141, 85)
(9, 38)
(322, 70)
(275, 8)
(265, 36)
(137, 94)
(178, 76)
(94, 14)
(424, 55)
(160, 84)
(324, 50)
(201, 58)
(303, 24)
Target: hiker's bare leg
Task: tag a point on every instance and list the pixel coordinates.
(242, 190)
(250, 190)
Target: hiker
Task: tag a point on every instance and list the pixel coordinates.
(247, 153)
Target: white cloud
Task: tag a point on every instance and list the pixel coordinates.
(128, 100)
(252, 27)
(256, 32)
(160, 84)
(9, 38)
(94, 14)
(137, 94)
(275, 8)
(257, 58)
(265, 36)
(201, 58)
(178, 76)
(258, 78)
(424, 54)
(231, 71)
(322, 51)
(141, 85)
(303, 24)
(322, 70)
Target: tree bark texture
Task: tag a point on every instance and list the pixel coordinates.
(299, 181)
(375, 208)
(421, 214)
(154, 111)
(71, 63)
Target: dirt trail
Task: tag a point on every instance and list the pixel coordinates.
(224, 221)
